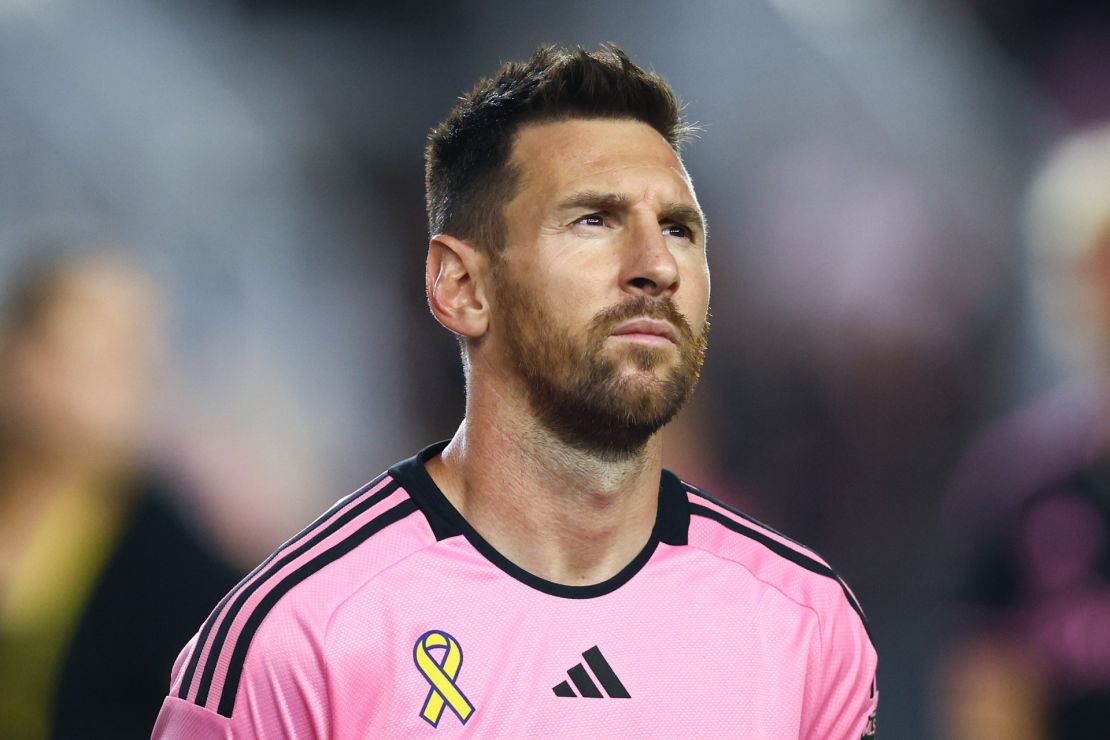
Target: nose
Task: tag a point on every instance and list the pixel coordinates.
(649, 266)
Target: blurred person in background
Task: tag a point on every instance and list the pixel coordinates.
(100, 578)
(1031, 504)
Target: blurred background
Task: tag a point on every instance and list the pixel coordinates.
(231, 194)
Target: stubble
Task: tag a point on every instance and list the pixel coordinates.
(580, 390)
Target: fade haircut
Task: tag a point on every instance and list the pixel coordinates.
(468, 174)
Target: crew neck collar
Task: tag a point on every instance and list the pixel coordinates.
(672, 521)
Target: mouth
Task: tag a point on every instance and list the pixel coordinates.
(646, 331)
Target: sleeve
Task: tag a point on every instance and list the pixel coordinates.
(184, 720)
(842, 695)
(279, 690)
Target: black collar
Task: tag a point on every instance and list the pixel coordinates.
(672, 523)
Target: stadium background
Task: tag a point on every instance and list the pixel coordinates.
(862, 164)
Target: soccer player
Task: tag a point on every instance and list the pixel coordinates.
(539, 575)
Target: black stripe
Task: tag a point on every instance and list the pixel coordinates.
(586, 686)
(209, 623)
(746, 517)
(245, 593)
(239, 654)
(564, 689)
(787, 552)
(604, 672)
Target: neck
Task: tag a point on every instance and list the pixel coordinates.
(558, 512)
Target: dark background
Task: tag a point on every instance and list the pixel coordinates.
(862, 164)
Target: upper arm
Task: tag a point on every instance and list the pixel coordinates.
(841, 692)
(279, 689)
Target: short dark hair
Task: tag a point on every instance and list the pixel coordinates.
(468, 176)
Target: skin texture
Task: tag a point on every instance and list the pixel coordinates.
(578, 388)
(604, 228)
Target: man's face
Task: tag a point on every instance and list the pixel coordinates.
(602, 291)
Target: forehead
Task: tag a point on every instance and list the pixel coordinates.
(616, 154)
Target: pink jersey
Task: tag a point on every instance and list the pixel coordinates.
(390, 617)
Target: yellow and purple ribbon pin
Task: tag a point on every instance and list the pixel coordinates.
(441, 675)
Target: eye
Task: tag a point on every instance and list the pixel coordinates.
(592, 219)
(680, 230)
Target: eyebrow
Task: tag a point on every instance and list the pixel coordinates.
(599, 201)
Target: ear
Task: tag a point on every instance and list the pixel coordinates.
(454, 278)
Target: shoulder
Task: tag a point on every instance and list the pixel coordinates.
(781, 563)
(272, 624)
(841, 695)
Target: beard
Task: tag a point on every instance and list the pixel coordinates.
(581, 392)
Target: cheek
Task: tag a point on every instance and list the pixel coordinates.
(575, 290)
(693, 296)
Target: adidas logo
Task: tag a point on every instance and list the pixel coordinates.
(582, 681)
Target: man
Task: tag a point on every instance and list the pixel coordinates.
(539, 575)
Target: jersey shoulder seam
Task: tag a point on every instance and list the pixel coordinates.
(770, 584)
(802, 557)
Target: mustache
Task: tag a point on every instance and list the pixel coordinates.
(643, 307)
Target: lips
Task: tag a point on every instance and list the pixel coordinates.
(646, 328)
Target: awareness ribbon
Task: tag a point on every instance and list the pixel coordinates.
(441, 676)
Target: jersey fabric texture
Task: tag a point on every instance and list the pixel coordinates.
(389, 616)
